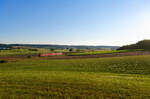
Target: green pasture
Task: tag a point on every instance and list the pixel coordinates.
(101, 52)
(22, 52)
(99, 78)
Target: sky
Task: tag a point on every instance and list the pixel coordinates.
(74, 22)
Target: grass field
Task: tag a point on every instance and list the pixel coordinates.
(106, 78)
(101, 52)
(14, 52)
(22, 52)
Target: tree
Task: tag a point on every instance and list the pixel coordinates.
(52, 49)
(71, 49)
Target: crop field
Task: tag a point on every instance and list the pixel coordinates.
(22, 52)
(102, 52)
(97, 78)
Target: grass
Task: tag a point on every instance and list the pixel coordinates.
(106, 78)
(101, 52)
(21, 52)
(14, 52)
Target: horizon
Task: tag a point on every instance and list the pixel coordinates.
(68, 44)
(74, 22)
(52, 44)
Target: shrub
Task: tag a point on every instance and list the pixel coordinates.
(33, 49)
(29, 56)
(3, 61)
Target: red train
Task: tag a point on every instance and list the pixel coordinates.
(50, 54)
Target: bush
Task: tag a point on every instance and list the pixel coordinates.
(52, 49)
(33, 49)
(29, 56)
(3, 61)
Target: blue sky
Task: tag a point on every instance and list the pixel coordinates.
(77, 22)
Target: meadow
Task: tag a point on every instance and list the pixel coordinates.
(12, 52)
(97, 78)
(102, 52)
(27, 51)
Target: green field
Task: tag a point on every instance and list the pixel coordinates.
(14, 52)
(106, 78)
(22, 52)
(101, 52)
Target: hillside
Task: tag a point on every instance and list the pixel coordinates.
(144, 44)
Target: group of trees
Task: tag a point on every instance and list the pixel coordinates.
(144, 44)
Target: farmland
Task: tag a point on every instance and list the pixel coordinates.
(14, 52)
(22, 52)
(102, 52)
(117, 77)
